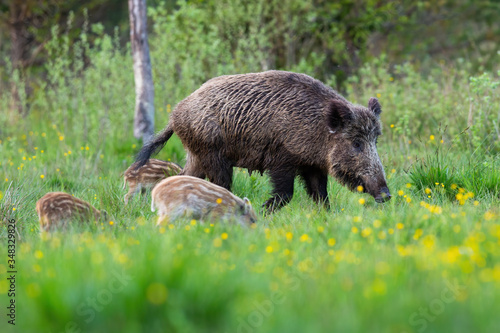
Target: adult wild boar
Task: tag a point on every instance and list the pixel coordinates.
(285, 123)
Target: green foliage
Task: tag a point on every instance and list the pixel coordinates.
(484, 114)
(318, 38)
(435, 172)
(442, 173)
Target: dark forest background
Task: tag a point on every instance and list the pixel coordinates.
(330, 38)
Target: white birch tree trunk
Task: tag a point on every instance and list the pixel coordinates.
(144, 89)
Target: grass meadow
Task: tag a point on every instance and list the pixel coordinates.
(426, 261)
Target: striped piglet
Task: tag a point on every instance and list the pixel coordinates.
(56, 209)
(186, 196)
(147, 176)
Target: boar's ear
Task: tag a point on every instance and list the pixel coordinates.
(374, 106)
(338, 114)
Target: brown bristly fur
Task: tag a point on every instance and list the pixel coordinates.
(147, 176)
(56, 209)
(285, 123)
(186, 196)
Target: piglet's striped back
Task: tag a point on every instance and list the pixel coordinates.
(188, 196)
(147, 176)
(56, 209)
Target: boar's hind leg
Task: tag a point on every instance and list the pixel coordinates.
(316, 182)
(282, 189)
(219, 170)
(193, 167)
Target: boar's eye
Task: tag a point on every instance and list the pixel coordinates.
(358, 146)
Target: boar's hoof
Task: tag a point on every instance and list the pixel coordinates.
(384, 195)
(273, 204)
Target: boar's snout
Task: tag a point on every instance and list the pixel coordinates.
(384, 195)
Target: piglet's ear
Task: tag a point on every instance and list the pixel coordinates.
(247, 206)
(374, 106)
(338, 114)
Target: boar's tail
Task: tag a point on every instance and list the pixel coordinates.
(153, 146)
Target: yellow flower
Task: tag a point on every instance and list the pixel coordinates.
(269, 249)
(377, 223)
(187, 227)
(356, 219)
(428, 191)
(111, 222)
(61, 137)
(42, 176)
(38, 254)
(217, 242)
(193, 222)
(354, 230)
(392, 125)
(219, 201)
(431, 137)
(428, 241)
(390, 231)
(224, 235)
(361, 201)
(366, 232)
(33, 290)
(156, 293)
(401, 192)
(304, 238)
(489, 215)
(418, 233)
(331, 242)
(289, 236)
(321, 229)
(379, 95)
(359, 188)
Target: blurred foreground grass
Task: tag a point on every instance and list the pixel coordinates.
(425, 261)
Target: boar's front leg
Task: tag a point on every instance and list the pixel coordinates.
(282, 180)
(316, 182)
